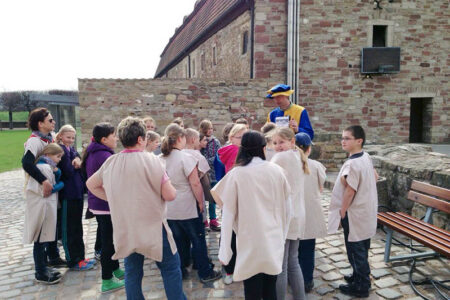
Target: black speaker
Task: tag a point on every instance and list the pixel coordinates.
(380, 60)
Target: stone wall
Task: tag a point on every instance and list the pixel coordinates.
(401, 164)
(270, 39)
(110, 100)
(229, 63)
(332, 34)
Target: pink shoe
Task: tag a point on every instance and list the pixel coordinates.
(214, 225)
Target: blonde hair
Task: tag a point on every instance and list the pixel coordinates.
(171, 135)
(236, 129)
(287, 134)
(204, 126)
(64, 129)
(148, 119)
(191, 133)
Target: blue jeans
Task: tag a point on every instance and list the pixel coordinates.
(194, 230)
(306, 258)
(358, 257)
(169, 268)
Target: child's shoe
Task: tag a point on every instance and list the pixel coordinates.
(57, 262)
(309, 286)
(228, 279)
(353, 290)
(47, 277)
(112, 284)
(206, 225)
(82, 265)
(119, 273)
(214, 225)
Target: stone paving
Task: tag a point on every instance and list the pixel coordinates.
(389, 281)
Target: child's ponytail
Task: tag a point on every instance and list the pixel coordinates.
(304, 160)
(172, 133)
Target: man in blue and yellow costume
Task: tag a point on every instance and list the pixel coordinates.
(297, 115)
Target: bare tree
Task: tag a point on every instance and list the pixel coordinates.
(11, 101)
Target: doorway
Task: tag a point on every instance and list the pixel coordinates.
(420, 120)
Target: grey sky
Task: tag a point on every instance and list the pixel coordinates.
(48, 44)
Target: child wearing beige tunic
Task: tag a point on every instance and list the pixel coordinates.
(255, 200)
(354, 205)
(314, 217)
(294, 163)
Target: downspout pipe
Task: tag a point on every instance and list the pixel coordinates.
(252, 37)
(293, 46)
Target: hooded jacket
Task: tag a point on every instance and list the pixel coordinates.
(97, 155)
(227, 156)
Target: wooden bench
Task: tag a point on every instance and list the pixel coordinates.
(435, 238)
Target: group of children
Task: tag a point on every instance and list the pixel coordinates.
(149, 200)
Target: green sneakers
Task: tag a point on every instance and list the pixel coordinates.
(112, 284)
(119, 273)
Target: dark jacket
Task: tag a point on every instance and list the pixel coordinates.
(73, 180)
(97, 155)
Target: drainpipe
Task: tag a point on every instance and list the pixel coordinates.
(252, 37)
(293, 46)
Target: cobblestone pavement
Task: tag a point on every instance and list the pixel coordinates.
(17, 271)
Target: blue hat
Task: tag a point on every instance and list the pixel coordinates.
(279, 90)
(303, 139)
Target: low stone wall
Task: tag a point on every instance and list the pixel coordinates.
(400, 165)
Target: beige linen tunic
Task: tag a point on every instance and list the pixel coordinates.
(203, 165)
(40, 212)
(132, 182)
(293, 169)
(315, 225)
(362, 212)
(179, 165)
(255, 201)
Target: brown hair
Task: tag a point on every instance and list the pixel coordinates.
(226, 131)
(287, 134)
(241, 121)
(178, 121)
(204, 126)
(129, 129)
(152, 136)
(51, 149)
(37, 115)
(171, 135)
(268, 127)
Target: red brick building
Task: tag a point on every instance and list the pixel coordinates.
(316, 46)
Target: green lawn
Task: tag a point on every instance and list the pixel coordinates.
(17, 116)
(11, 148)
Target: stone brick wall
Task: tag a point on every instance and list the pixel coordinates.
(110, 100)
(230, 63)
(270, 39)
(332, 34)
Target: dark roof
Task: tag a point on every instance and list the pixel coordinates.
(55, 99)
(208, 17)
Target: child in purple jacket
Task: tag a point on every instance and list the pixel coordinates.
(71, 199)
(104, 141)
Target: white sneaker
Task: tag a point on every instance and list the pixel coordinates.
(228, 279)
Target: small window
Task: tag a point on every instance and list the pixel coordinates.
(244, 42)
(202, 61)
(379, 36)
(187, 71)
(193, 67)
(214, 56)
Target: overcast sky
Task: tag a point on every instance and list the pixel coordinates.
(48, 44)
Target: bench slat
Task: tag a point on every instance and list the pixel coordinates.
(443, 231)
(431, 189)
(419, 224)
(430, 201)
(394, 218)
(411, 234)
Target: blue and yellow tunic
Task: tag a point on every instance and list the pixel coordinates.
(296, 112)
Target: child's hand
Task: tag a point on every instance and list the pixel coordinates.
(76, 163)
(55, 169)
